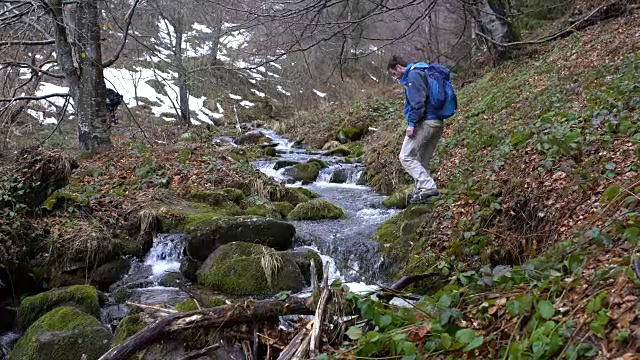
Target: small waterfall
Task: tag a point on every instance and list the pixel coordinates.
(340, 174)
(166, 253)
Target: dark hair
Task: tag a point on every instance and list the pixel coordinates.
(395, 61)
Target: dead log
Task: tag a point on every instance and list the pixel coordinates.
(314, 347)
(294, 345)
(389, 293)
(222, 316)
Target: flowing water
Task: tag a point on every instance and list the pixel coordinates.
(346, 245)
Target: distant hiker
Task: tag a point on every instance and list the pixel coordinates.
(429, 99)
(114, 99)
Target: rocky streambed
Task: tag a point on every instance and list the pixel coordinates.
(267, 250)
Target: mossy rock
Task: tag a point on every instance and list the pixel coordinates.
(171, 279)
(304, 171)
(270, 151)
(207, 234)
(396, 234)
(316, 210)
(237, 269)
(339, 151)
(85, 297)
(109, 273)
(63, 333)
(281, 164)
(306, 192)
(170, 220)
(219, 197)
(350, 133)
(292, 196)
(63, 201)
(400, 198)
(208, 302)
(127, 327)
(264, 210)
(252, 138)
(323, 164)
(283, 208)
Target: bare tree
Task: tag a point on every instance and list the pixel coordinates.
(73, 29)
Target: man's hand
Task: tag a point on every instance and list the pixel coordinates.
(411, 132)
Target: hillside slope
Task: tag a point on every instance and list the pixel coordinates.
(533, 246)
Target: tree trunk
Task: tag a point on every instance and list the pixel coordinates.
(495, 24)
(94, 132)
(182, 75)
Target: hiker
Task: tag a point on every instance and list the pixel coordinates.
(114, 99)
(429, 99)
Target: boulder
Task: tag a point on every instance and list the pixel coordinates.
(270, 151)
(350, 133)
(244, 269)
(339, 176)
(303, 172)
(189, 267)
(316, 210)
(127, 327)
(323, 164)
(206, 235)
(339, 151)
(109, 273)
(281, 164)
(306, 192)
(303, 258)
(84, 297)
(252, 138)
(400, 198)
(218, 197)
(283, 208)
(330, 145)
(63, 333)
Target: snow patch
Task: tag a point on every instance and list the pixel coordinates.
(235, 97)
(279, 88)
(261, 94)
(321, 94)
(247, 104)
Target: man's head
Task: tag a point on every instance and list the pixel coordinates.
(396, 66)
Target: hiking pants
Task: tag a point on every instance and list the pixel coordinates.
(417, 152)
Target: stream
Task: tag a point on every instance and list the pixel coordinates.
(346, 246)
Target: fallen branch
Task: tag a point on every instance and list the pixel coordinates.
(221, 316)
(319, 316)
(294, 345)
(400, 285)
(150, 307)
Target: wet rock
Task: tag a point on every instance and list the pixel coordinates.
(281, 164)
(270, 151)
(189, 267)
(303, 172)
(303, 258)
(399, 199)
(110, 273)
(339, 176)
(321, 163)
(63, 333)
(249, 269)
(339, 151)
(84, 297)
(331, 145)
(350, 133)
(252, 138)
(316, 210)
(206, 235)
(172, 279)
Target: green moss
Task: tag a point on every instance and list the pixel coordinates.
(307, 193)
(208, 302)
(127, 327)
(270, 151)
(350, 133)
(263, 210)
(227, 209)
(316, 210)
(339, 151)
(400, 198)
(63, 333)
(219, 197)
(323, 164)
(170, 220)
(237, 269)
(121, 295)
(33, 307)
(64, 200)
(304, 171)
(283, 208)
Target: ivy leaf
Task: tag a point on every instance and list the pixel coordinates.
(474, 343)
(514, 307)
(383, 321)
(545, 309)
(465, 336)
(574, 262)
(445, 340)
(354, 333)
(445, 301)
(631, 235)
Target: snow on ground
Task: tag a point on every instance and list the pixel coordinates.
(246, 103)
(235, 97)
(321, 94)
(279, 88)
(261, 94)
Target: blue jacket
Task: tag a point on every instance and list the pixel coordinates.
(416, 106)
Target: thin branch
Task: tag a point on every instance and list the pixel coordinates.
(19, 98)
(27, 42)
(128, 19)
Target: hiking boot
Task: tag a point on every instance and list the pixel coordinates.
(423, 196)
